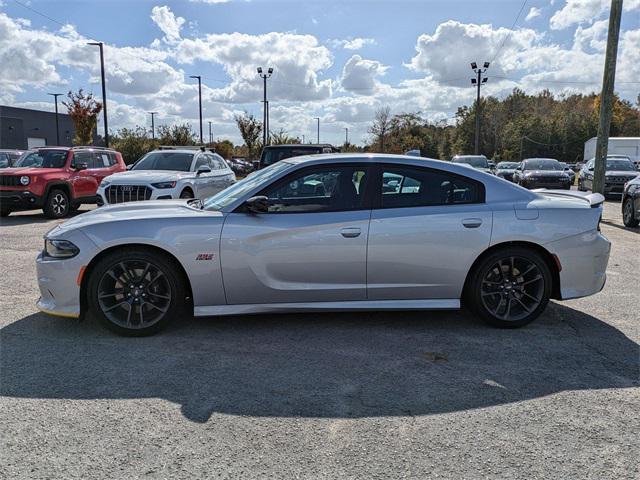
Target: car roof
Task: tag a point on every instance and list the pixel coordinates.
(540, 158)
(300, 145)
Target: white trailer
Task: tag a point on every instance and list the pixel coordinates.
(628, 146)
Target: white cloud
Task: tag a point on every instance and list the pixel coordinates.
(166, 21)
(577, 12)
(351, 43)
(533, 13)
(359, 75)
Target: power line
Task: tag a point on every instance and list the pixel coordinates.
(510, 31)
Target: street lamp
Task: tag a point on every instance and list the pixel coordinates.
(153, 125)
(199, 101)
(55, 96)
(104, 92)
(478, 82)
(346, 135)
(210, 133)
(265, 111)
(318, 119)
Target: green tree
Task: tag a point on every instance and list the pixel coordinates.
(83, 110)
(250, 131)
(133, 143)
(179, 135)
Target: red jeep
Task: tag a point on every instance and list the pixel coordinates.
(56, 179)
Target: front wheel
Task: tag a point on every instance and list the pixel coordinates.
(628, 214)
(5, 212)
(511, 287)
(57, 204)
(186, 193)
(135, 292)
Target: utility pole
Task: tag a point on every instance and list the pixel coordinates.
(318, 119)
(478, 81)
(606, 97)
(346, 135)
(199, 101)
(55, 96)
(303, 138)
(104, 92)
(210, 133)
(265, 110)
(153, 125)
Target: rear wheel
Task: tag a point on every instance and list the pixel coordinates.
(57, 204)
(5, 212)
(135, 292)
(628, 214)
(511, 287)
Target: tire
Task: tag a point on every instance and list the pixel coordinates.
(57, 204)
(496, 294)
(628, 215)
(5, 212)
(187, 193)
(580, 186)
(122, 309)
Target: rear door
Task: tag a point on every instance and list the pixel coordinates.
(427, 228)
(310, 246)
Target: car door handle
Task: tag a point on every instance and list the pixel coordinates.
(350, 232)
(472, 222)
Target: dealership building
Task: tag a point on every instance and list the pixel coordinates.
(23, 128)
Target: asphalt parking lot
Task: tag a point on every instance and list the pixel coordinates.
(360, 395)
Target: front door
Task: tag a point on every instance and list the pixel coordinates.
(310, 246)
(85, 183)
(427, 228)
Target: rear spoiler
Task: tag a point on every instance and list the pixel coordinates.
(594, 199)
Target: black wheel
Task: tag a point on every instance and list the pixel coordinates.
(186, 193)
(628, 214)
(5, 212)
(135, 292)
(511, 287)
(580, 186)
(57, 204)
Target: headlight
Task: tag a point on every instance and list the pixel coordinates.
(105, 183)
(164, 185)
(24, 180)
(60, 249)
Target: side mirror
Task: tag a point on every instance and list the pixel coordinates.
(80, 166)
(130, 166)
(202, 169)
(590, 169)
(256, 164)
(259, 204)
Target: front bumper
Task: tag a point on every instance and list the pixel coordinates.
(545, 183)
(584, 260)
(20, 200)
(155, 194)
(613, 188)
(59, 291)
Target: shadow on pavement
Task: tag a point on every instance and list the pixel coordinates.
(320, 365)
(33, 216)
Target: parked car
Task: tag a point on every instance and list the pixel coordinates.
(631, 203)
(321, 233)
(569, 171)
(619, 170)
(8, 158)
(542, 173)
(240, 166)
(479, 162)
(506, 170)
(166, 174)
(274, 153)
(56, 179)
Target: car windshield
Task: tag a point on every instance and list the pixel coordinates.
(165, 160)
(43, 159)
(507, 165)
(239, 189)
(542, 164)
(620, 164)
(273, 155)
(477, 162)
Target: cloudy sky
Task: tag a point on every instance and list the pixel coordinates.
(337, 60)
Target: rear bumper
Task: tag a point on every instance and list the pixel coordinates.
(20, 200)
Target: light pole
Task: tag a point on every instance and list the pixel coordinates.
(104, 92)
(55, 96)
(303, 138)
(265, 112)
(153, 125)
(318, 120)
(478, 81)
(210, 133)
(199, 101)
(346, 135)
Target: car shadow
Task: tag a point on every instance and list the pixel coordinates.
(319, 365)
(36, 217)
(621, 227)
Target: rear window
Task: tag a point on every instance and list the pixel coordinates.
(176, 161)
(273, 155)
(477, 162)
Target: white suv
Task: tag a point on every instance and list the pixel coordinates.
(168, 173)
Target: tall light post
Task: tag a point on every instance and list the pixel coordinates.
(55, 96)
(265, 111)
(303, 138)
(210, 133)
(104, 92)
(153, 125)
(346, 135)
(318, 120)
(199, 101)
(478, 82)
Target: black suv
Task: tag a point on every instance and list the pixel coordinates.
(274, 153)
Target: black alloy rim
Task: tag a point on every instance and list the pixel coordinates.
(59, 204)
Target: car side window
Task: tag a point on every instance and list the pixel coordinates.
(330, 189)
(201, 161)
(420, 187)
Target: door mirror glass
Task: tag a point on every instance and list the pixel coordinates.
(258, 204)
(203, 169)
(590, 169)
(80, 166)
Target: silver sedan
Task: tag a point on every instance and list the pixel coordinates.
(329, 233)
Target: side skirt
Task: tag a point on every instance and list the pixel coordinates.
(364, 305)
